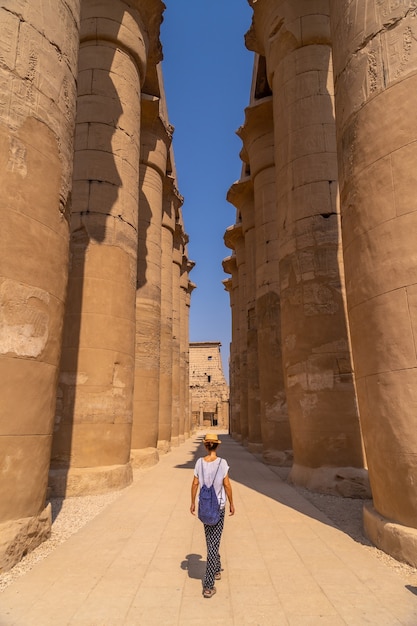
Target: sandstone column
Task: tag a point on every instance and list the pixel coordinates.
(171, 203)
(184, 429)
(375, 54)
(229, 266)
(295, 39)
(155, 140)
(188, 413)
(234, 240)
(37, 112)
(183, 350)
(241, 196)
(176, 326)
(93, 423)
(257, 135)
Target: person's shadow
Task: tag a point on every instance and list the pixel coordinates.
(194, 565)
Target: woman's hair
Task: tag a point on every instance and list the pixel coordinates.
(211, 445)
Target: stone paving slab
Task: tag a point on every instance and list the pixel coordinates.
(140, 561)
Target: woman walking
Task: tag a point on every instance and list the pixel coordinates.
(208, 470)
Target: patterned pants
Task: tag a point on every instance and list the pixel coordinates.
(213, 537)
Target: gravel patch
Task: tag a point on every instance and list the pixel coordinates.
(69, 515)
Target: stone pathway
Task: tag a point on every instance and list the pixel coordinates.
(140, 562)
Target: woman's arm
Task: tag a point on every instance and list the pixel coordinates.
(194, 489)
(228, 489)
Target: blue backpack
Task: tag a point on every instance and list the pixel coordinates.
(208, 503)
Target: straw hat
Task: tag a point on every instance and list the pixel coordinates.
(211, 438)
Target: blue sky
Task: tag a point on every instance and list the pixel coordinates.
(207, 74)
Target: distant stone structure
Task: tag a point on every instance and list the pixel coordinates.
(94, 268)
(323, 269)
(208, 387)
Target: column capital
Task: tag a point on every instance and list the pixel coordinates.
(229, 264)
(151, 12)
(232, 235)
(227, 282)
(155, 135)
(191, 287)
(240, 195)
(278, 28)
(172, 202)
(257, 135)
(152, 115)
(135, 28)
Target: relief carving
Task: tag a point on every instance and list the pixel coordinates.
(24, 319)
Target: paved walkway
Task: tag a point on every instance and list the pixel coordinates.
(140, 562)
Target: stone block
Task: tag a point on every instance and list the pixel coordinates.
(395, 539)
(348, 482)
(24, 466)
(18, 537)
(10, 24)
(315, 29)
(88, 481)
(27, 413)
(144, 458)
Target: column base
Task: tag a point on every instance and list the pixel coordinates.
(87, 481)
(175, 442)
(278, 458)
(181, 439)
(348, 482)
(256, 448)
(396, 540)
(18, 537)
(163, 446)
(144, 457)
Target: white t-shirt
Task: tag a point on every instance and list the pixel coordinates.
(208, 470)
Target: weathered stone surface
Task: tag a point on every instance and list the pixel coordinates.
(77, 481)
(94, 428)
(234, 240)
(375, 58)
(144, 457)
(18, 537)
(126, 269)
(280, 458)
(294, 38)
(38, 54)
(349, 482)
(397, 540)
(208, 387)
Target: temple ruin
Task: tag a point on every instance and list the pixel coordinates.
(95, 285)
(209, 390)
